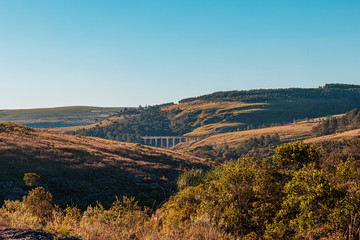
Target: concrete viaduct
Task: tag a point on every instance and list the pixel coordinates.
(166, 141)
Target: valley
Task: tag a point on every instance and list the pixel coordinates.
(245, 156)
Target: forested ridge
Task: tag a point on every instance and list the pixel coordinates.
(266, 95)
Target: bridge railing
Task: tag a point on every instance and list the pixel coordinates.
(167, 141)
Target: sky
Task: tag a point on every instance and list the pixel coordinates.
(147, 52)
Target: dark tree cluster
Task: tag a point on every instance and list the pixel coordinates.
(350, 121)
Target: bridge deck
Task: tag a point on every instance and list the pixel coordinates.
(170, 140)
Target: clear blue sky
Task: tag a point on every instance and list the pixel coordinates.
(130, 53)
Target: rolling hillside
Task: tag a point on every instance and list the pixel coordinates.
(298, 131)
(57, 117)
(223, 112)
(261, 143)
(326, 131)
(347, 135)
(83, 170)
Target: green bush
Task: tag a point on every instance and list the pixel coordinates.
(39, 203)
(293, 156)
(31, 179)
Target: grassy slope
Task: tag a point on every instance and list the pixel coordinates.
(290, 132)
(266, 106)
(87, 165)
(105, 122)
(211, 116)
(257, 113)
(55, 117)
(216, 117)
(299, 131)
(208, 111)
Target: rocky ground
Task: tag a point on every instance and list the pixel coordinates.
(29, 234)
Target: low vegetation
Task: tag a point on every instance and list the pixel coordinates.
(302, 192)
(9, 127)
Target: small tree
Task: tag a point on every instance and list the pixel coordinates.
(40, 203)
(293, 156)
(31, 179)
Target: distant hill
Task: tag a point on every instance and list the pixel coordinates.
(229, 111)
(58, 117)
(81, 171)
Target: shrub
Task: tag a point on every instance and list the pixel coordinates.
(39, 203)
(293, 156)
(31, 179)
(35, 210)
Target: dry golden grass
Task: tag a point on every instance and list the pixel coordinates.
(218, 107)
(99, 152)
(299, 131)
(106, 122)
(207, 110)
(211, 128)
(291, 132)
(335, 137)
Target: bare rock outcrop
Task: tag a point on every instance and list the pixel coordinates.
(29, 234)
